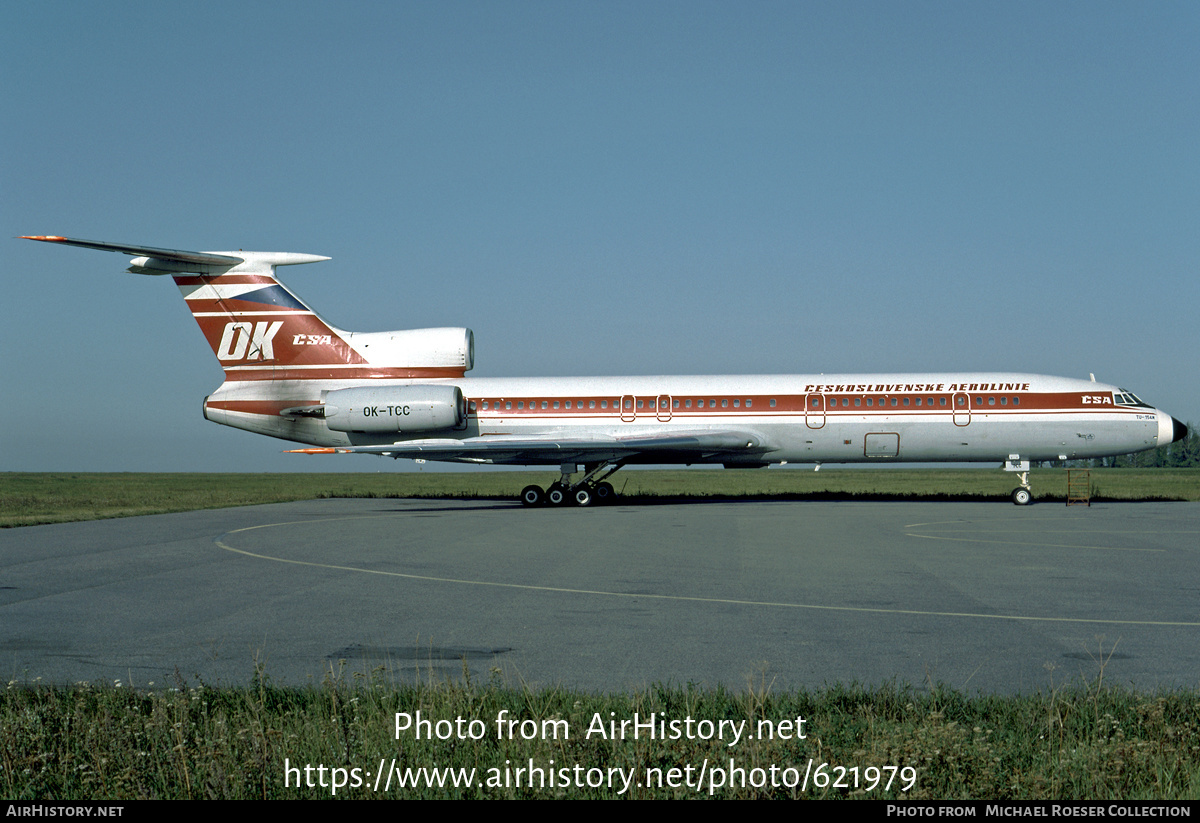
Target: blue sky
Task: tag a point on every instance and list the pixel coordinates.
(596, 188)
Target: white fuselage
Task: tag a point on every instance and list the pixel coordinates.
(879, 418)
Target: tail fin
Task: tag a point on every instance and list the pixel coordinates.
(259, 330)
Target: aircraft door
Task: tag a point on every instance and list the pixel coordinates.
(962, 408)
(664, 407)
(882, 444)
(628, 412)
(814, 410)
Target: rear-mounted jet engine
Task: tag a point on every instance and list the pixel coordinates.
(396, 409)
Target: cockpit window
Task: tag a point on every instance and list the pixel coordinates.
(1124, 397)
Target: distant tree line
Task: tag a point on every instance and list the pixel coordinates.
(1183, 453)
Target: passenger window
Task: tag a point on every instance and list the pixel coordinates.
(772, 402)
(749, 402)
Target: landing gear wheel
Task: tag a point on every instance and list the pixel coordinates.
(533, 496)
(605, 493)
(583, 496)
(556, 495)
(1022, 496)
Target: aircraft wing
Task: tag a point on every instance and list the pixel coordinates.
(549, 450)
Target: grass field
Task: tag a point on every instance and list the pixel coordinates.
(1080, 742)
(32, 498)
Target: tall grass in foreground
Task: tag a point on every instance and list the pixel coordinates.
(1074, 743)
(31, 498)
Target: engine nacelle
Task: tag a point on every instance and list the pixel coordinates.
(450, 348)
(396, 409)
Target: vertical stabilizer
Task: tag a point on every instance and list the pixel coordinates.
(257, 328)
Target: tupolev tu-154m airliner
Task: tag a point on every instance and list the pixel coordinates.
(291, 375)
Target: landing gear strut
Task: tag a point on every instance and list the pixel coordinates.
(590, 489)
(1022, 495)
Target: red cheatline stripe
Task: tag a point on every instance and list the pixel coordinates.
(236, 304)
(328, 372)
(271, 407)
(226, 280)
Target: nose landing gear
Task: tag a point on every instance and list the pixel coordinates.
(1022, 495)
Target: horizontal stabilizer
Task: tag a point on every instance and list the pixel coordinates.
(173, 255)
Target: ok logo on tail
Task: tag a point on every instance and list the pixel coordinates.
(245, 341)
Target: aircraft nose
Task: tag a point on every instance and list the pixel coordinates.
(1169, 429)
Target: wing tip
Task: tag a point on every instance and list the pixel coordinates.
(45, 238)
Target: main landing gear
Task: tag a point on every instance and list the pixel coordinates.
(590, 490)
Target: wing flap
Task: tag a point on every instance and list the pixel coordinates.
(552, 450)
